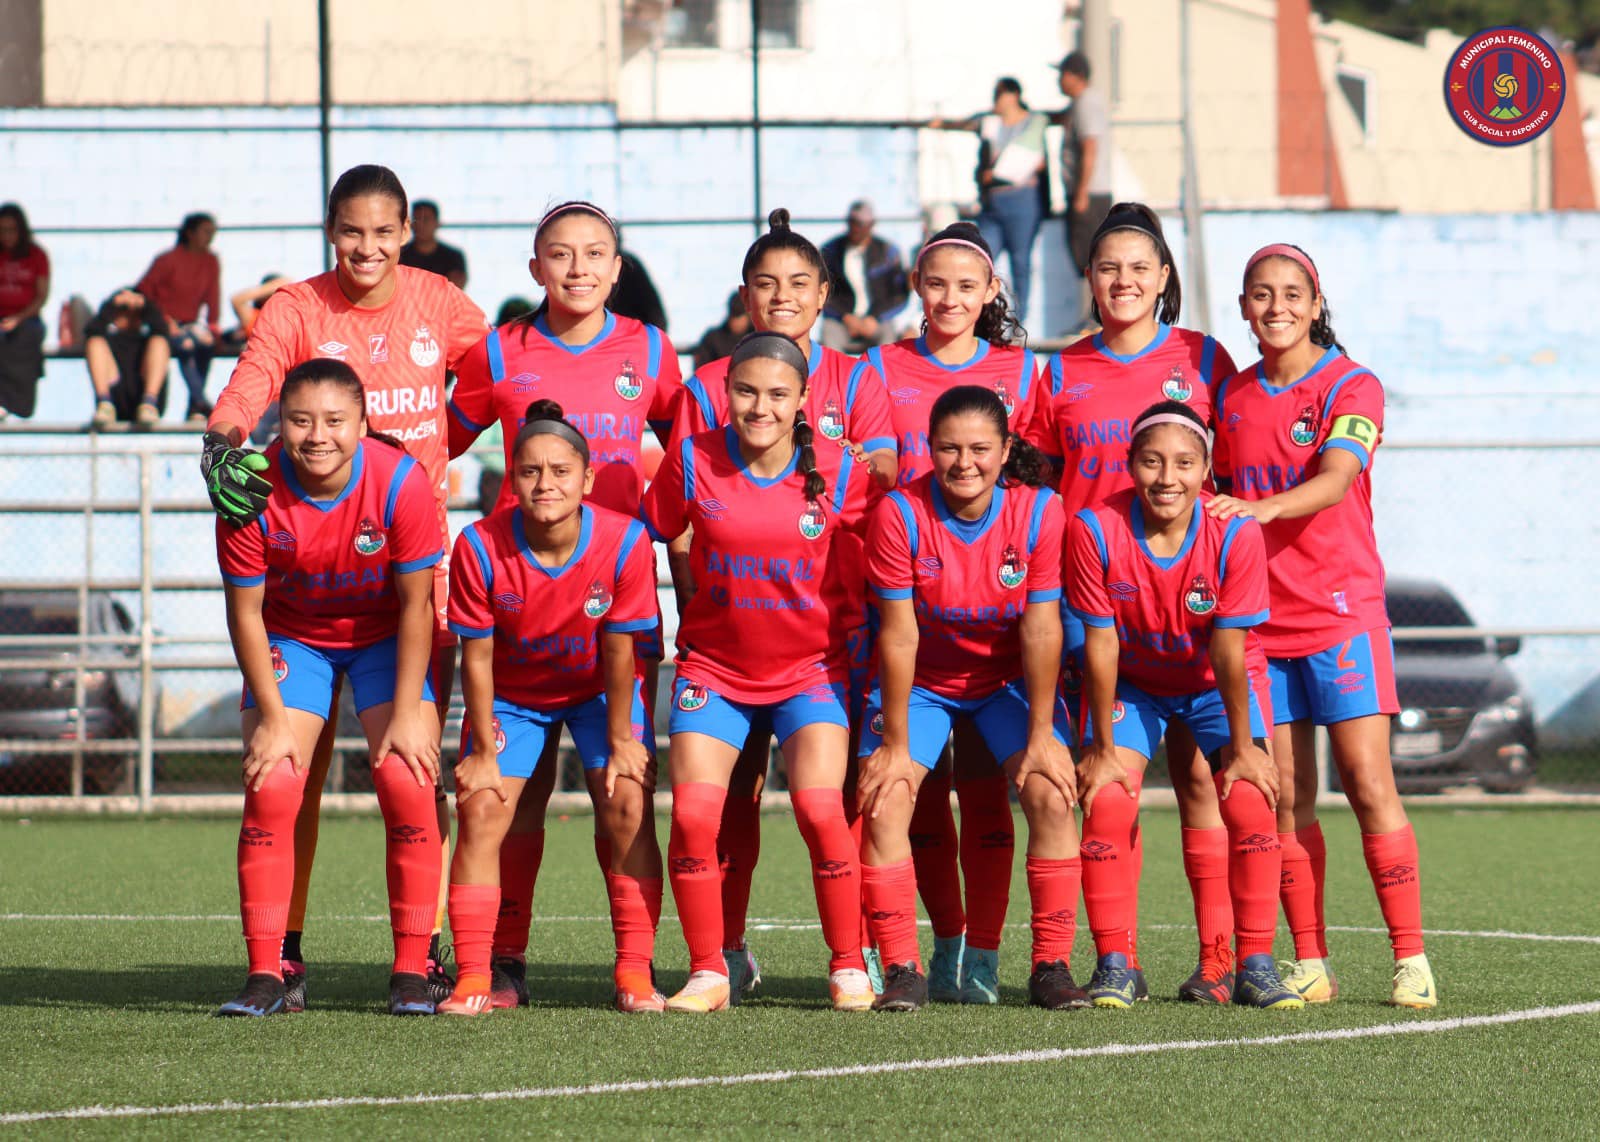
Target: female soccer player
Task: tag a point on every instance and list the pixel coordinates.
(1295, 451)
(614, 376)
(1091, 393)
(760, 638)
(547, 595)
(1169, 596)
(335, 578)
(965, 567)
(785, 285)
(966, 339)
(401, 330)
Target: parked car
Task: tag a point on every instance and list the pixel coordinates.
(40, 702)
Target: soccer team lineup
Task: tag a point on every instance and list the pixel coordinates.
(946, 565)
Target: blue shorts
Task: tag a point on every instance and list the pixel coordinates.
(1351, 679)
(306, 675)
(1139, 720)
(698, 709)
(1001, 718)
(521, 734)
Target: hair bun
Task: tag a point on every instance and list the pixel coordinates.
(778, 219)
(543, 409)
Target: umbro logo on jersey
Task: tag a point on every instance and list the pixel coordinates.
(1077, 392)
(507, 601)
(932, 566)
(524, 382)
(281, 540)
(333, 349)
(1122, 589)
(905, 395)
(713, 508)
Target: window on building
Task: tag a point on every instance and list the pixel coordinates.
(1357, 88)
(691, 24)
(779, 23)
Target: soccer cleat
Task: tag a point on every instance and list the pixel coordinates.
(441, 985)
(636, 993)
(408, 994)
(463, 1002)
(262, 995)
(705, 991)
(1311, 979)
(850, 989)
(508, 982)
(294, 985)
(874, 969)
(944, 970)
(1413, 983)
(1259, 986)
(904, 989)
(1212, 980)
(1052, 987)
(105, 415)
(980, 975)
(744, 973)
(1115, 984)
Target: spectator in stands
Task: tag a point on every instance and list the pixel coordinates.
(24, 284)
(247, 304)
(718, 341)
(181, 283)
(426, 252)
(1085, 163)
(128, 353)
(868, 288)
(635, 294)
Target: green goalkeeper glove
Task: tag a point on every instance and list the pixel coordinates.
(237, 491)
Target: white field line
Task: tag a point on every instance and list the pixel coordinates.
(858, 1070)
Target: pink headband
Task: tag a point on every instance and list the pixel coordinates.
(973, 246)
(1283, 250)
(1171, 418)
(570, 207)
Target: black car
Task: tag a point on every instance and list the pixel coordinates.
(1464, 717)
(39, 702)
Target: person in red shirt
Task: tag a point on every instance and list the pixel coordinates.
(402, 330)
(547, 595)
(761, 639)
(1296, 434)
(24, 285)
(965, 568)
(967, 339)
(335, 578)
(185, 282)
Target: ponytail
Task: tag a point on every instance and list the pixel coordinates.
(1322, 334)
(806, 459)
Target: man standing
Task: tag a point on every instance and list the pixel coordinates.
(426, 252)
(867, 279)
(1085, 158)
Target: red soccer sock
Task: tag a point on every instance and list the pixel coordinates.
(1205, 863)
(834, 872)
(692, 868)
(1053, 892)
(934, 853)
(1110, 875)
(631, 925)
(1305, 862)
(890, 891)
(266, 865)
(1255, 862)
(738, 850)
(520, 857)
(988, 840)
(473, 911)
(1393, 862)
(412, 859)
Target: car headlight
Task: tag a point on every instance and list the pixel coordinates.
(1504, 713)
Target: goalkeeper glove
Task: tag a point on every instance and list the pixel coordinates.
(237, 491)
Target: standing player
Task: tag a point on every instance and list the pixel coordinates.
(1169, 595)
(1295, 442)
(1092, 391)
(966, 339)
(547, 595)
(401, 329)
(335, 578)
(965, 565)
(614, 376)
(760, 639)
(785, 286)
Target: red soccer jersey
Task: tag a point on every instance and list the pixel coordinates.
(609, 389)
(767, 619)
(1165, 609)
(329, 565)
(916, 378)
(546, 621)
(1324, 569)
(401, 351)
(969, 580)
(1091, 396)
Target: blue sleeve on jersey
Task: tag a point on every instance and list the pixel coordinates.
(1041, 500)
(463, 419)
(845, 467)
(697, 389)
(1353, 448)
(890, 592)
(497, 360)
(1208, 358)
(419, 564)
(652, 338)
(1051, 596)
(475, 541)
(1025, 382)
(471, 632)
(903, 506)
(244, 580)
(1093, 524)
(1099, 622)
(1057, 376)
(875, 358)
(630, 540)
(633, 627)
(688, 468)
(1254, 620)
(396, 482)
(1228, 535)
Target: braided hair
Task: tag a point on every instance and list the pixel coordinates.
(777, 347)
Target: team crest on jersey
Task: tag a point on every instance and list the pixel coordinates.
(692, 697)
(1004, 393)
(1013, 568)
(830, 423)
(281, 540)
(424, 349)
(280, 668)
(370, 538)
(1304, 429)
(812, 522)
(1200, 598)
(598, 601)
(378, 348)
(334, 349)
(627, 383)
(499, 737)
(1176, 387)
(877, 723)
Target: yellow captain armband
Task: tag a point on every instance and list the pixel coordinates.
(1354, 428)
